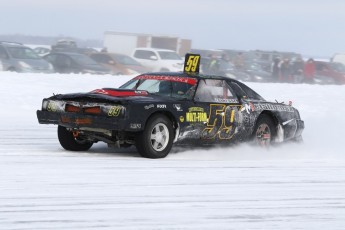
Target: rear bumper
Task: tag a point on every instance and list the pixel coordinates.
(74, 120)
(300, 128)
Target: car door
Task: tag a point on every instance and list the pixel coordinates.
(217, 109)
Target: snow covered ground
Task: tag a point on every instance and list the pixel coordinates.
(288, 187)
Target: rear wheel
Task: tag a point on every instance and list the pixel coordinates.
(264, 132)
(72, 141)
(157, 138)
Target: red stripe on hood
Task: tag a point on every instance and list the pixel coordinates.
(120, 93)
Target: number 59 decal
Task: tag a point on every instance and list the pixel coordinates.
(221, 122)
(191, 63)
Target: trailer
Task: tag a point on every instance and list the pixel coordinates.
(125, 43)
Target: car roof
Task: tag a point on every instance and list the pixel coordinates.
(194, 75)
(12, 44)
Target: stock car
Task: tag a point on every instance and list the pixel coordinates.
(154, 110)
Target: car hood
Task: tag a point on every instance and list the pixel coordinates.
(122, 96)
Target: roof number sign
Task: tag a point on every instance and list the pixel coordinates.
(191, 63)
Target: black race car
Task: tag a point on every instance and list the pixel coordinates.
(154, 110)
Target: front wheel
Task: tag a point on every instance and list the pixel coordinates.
(264, 131)
(157, 138)
(72, 141)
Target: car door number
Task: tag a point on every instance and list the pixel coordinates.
(221, 122)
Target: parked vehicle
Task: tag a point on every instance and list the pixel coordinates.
(257, 73)
(42, 51)
(119, 64)
(265, 58)
(334, 72)
(158, 59)
(75, 63)
(223, 68)
(339, 57)
(154, 110)
(19, 58)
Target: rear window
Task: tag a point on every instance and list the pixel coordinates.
(244, 91)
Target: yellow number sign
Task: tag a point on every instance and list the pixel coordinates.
(192, 63)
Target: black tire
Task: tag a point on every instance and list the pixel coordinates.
(69, 142)
(264, 131)
(151, 146)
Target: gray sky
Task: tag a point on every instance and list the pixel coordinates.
(313, 27)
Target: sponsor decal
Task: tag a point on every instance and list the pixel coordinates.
(188, 80)
(196, 109)
(161, 106)
(135, 126)
(273, 107)
(182, 118)
(226, 100)
(120, 93)
(196, 114)
(149, 106)
(114, 111)
(178, 107)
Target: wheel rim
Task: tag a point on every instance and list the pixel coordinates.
(159, 137)
(263, 135)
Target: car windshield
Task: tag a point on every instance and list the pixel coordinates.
(163, 85)
(83, 59)
(168, 55)
(23, 53)
(125, 60)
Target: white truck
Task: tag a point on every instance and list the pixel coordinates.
(158, 60)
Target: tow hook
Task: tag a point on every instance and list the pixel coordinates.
(75, 134)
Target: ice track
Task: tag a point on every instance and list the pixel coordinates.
(43, 186)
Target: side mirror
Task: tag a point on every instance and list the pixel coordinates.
(153, 58)
(111, 62)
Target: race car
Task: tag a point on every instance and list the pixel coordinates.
(153, 111)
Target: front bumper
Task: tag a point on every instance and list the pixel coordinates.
(75, 120)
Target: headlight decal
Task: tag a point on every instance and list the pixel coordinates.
(87, 108)
(53, 106)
